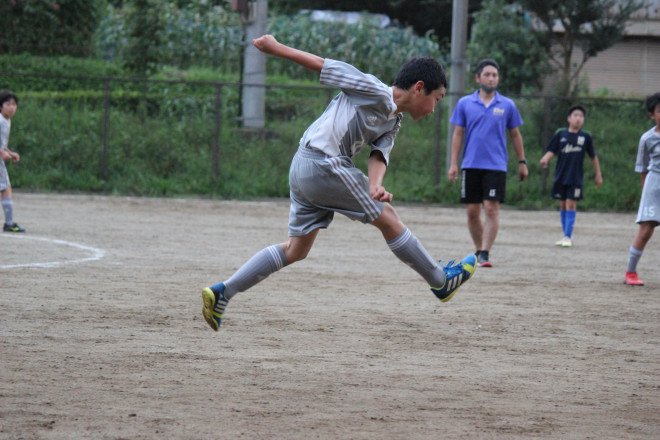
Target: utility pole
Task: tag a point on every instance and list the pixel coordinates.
(254, 71)
(458, 64)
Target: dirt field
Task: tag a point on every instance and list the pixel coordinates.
(102, 335)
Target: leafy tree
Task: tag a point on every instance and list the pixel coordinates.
(47, 27)
(590, 25)
(422, 15)
(504, 33)
(143, 52)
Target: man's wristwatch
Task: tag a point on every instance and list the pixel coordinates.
(524, 161)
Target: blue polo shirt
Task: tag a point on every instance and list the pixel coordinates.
(485, 130)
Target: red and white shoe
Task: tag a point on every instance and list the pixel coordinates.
(632, 279)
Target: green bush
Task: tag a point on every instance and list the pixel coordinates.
(58, 73)
(161, 138)
(214, 39)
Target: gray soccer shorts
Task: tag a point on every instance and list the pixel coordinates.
(649, 204)
(321, 185)
(4, 176)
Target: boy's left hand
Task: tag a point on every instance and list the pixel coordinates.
(599, 181)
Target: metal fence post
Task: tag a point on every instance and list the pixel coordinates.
(545, 135)
(437, 135)
(217, 132)
(104, 129)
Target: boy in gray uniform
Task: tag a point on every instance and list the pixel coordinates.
(648, 165)
(8, 106)
(323, 179)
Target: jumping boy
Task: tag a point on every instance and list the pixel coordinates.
(570, 145)
(323, 179)
(8, 106)
(648, 165)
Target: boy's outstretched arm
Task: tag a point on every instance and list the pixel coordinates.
(269, 45)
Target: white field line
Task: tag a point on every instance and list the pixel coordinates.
(97, 254)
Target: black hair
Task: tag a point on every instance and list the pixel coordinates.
(424, 69)
(5, 96)
(652, 102)
(574, 107)
(486, 62)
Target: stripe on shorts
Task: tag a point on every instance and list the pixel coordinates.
(354, 187)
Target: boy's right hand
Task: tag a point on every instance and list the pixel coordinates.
(544, 162)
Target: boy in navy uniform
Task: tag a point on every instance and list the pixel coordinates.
(570, 145)
(323, 179)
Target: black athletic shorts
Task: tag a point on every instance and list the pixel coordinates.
(566, 192)
(478, 185)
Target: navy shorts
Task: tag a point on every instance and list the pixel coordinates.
(478, 185)
(566, 192)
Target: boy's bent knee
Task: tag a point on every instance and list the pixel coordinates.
(389, 223)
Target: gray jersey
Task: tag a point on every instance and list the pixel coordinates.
(648, 152)
(362, 114)
(5, 126)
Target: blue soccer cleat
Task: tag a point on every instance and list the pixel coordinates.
(213, 305)
(456, 275)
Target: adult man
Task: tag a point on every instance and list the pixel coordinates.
(482, 120)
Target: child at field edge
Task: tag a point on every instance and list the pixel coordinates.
(323, 179)
(648, 165)
(570, 145)
(8, 107)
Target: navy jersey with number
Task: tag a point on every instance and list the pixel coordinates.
(570, 149)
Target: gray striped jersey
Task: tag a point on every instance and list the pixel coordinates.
(363, 113)
(648, 152)
(5, 126)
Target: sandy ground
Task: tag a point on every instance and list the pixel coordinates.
(102, 335)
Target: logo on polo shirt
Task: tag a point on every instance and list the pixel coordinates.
(498, 111)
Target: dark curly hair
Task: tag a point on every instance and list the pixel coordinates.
(424, 69)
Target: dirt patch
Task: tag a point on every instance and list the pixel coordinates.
(102, 335)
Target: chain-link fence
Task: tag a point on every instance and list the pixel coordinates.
(129, 135)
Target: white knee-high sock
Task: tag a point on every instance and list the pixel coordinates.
(256, 269)
(409, 250)
(8, 208)
(634, 256)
